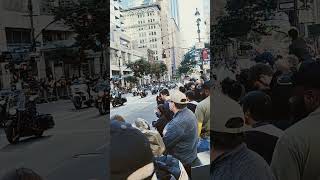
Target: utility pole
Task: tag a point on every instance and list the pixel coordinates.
(174, 57)
(30, 9)
(296, 14)
(197, 14)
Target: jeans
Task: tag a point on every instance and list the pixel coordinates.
(203, 145)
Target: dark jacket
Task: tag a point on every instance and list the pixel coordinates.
(192, 107)
(262, 139)
(168, 112)
(160, 124)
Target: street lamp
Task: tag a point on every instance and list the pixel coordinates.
(197, 14)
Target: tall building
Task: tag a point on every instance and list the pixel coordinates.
(174, 10)
(116, 18)
(126, 4)
(143, 25)
(177, 45)
(121, 46)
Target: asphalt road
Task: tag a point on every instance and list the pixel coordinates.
(137, 107)
(75, 149)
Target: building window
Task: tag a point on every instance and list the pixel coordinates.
(18, 36)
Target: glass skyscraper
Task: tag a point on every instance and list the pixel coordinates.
(134, 3)
(174, 11)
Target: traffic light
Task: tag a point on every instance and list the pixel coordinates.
(164, 54)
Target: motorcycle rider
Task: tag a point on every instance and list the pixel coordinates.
(26, 106)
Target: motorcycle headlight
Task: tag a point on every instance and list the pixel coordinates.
(12, 111)
(101, 93)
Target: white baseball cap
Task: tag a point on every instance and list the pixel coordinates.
(227, 115)
(178, 97)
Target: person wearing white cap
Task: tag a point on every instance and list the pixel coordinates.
(231, 159)
(180, 134)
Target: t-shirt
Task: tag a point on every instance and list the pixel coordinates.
(296, 156)
(203, 114)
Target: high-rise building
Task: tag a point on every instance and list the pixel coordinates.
(116, 18)
(121, 45)
(143, 25)
(174, 10)
(126, 4)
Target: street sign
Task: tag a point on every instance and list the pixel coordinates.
(285, 5)
(205, 55)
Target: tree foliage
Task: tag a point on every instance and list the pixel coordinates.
(188, 63)
(244, 17)
(131, 79)
(88, 19)
(158, 69)
(140, 68)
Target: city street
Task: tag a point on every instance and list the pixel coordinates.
(74, 149)
(137, 107)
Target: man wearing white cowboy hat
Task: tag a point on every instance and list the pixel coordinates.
(180, 135)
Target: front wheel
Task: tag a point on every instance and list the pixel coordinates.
(103, 109)
(114, 104)
(12, 135)
(77, 102)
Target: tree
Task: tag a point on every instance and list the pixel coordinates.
(132, 80)
(158, 69)
(188, 63)
(245, 17)
(87, 18)
(140, 68)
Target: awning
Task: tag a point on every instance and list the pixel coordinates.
(58, 45)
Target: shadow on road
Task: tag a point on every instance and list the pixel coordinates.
(24, 142)
(82, 109)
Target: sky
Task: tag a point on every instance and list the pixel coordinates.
(188, 25)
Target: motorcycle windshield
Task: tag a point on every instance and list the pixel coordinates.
(102, 87)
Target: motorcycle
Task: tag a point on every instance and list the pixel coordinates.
(3, 112)
(143, 93)
(25, 121)
(102, 98)
(117, 99)
(154, 91)
(80, 95)
(134, 91)
(5, 106)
